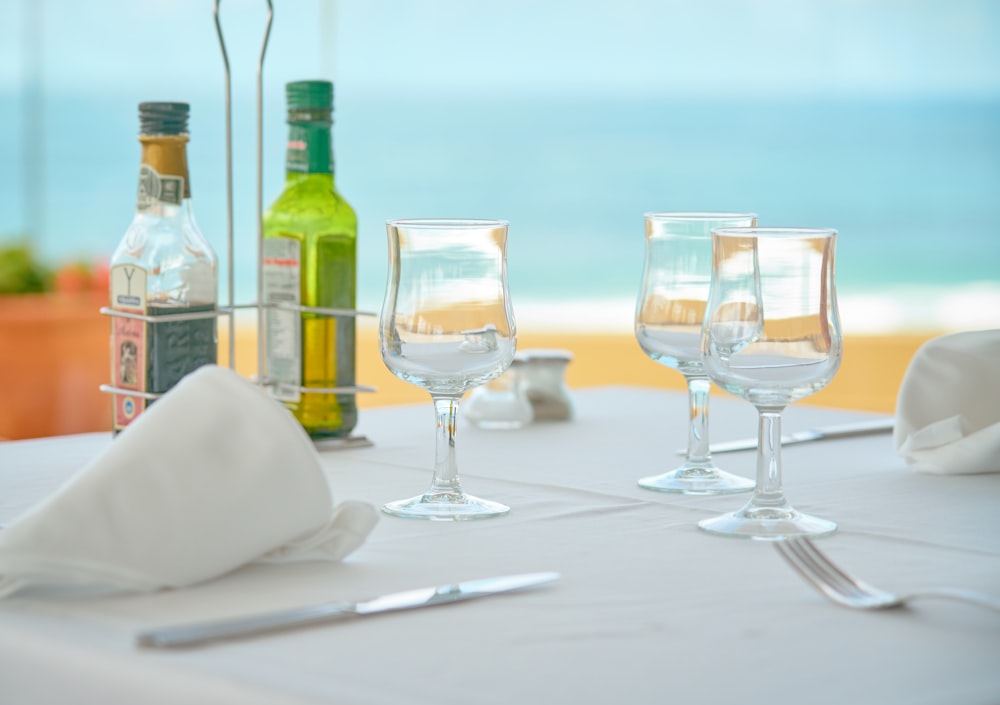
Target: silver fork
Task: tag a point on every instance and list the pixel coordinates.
(845, 589)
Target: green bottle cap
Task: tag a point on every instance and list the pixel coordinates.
(309, 95)
(163, 118)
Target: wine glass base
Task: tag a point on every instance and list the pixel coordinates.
(695, 480)
(767, 524)
(445, 507)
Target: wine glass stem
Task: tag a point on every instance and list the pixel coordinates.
(698, 388)
(445, 466)
(768, 492)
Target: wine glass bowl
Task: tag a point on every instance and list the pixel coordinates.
(771, 336)
(670, 310)
(447, 326)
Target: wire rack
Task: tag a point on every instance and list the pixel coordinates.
(231, 307)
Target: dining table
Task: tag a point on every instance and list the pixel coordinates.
(648, 608)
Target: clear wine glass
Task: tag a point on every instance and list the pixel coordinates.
(668, 318)
(447, 326)
(772, 336)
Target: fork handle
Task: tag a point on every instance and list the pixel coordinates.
(972, 598)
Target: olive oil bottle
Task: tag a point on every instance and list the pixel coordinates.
(310, 260)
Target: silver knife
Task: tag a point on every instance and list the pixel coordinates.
(860, 428)
(204, 632)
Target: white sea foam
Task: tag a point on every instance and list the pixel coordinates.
(925, 309)
(896, 310)
(936, 308)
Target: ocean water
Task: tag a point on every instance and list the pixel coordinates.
(913, 186)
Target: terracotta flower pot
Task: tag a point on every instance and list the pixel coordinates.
(53, 357)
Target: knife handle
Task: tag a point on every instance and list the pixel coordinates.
(205, 632)
(847, 430)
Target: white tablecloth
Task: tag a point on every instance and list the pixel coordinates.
(648, 610)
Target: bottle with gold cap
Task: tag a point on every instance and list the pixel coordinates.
(163, 274)
(310, 260)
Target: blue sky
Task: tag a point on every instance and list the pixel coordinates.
(758, 47)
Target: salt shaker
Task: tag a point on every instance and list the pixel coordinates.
(500, 403)
(544, 382)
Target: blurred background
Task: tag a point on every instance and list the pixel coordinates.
(569, 118)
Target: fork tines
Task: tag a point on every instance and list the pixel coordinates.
(822, 573)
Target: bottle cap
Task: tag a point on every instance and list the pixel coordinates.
(163, 118)
(309, 95)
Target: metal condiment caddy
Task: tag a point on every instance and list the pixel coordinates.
(229, 310)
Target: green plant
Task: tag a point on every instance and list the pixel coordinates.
(21, 272)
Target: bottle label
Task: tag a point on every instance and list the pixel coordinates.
(128, 342)
(281, 269)
(308, 149)
(157, 189)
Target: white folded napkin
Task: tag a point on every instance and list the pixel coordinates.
(214, 475)
(948, 409)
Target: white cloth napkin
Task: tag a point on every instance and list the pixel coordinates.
(948, 409)
(214, 475)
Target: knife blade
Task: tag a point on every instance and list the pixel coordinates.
(239, 627)
(849, 430)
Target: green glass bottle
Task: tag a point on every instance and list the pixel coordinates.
(310, 259)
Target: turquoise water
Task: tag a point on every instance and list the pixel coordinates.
(912, 186)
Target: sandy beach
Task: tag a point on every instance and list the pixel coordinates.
(869, 377)
(47, 392)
